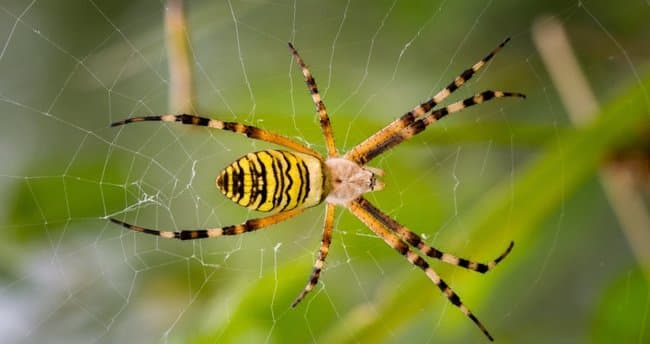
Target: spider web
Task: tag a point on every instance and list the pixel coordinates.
(70, 69)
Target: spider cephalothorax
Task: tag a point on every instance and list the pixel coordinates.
(285, 183)
(349, 180)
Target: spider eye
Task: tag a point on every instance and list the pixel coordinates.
(376, 184)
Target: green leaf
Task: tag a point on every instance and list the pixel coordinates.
(623, 315)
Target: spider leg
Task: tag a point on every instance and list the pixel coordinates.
(235, 127)
(248, 226)
(416, 241)
(361, 154)
(418, 126)
(365, 212)
(325, 124)
(322, 253)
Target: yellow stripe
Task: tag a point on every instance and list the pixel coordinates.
(271, 183)
(247, 181)
(257, 189)
(229, 186)
(279, 168)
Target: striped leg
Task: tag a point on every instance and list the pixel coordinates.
(325, 124)
(362, 153)
(248, 226)
(419, 125)
(416, 241)
(362, 209)
(239, 128)
(322, 253)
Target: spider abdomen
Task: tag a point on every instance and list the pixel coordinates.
(273, 180)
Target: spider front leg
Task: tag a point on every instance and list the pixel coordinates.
(235, 127)
(372, 146)
(322, 253)
(418, 126)
(324, 119)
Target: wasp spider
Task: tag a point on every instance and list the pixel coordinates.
(286, 182)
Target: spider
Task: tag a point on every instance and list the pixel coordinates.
(286, 182)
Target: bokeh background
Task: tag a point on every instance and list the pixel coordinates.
(508, 170)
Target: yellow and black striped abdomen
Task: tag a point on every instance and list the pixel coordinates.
(273, 180)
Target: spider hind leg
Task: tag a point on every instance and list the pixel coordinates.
(374, 219)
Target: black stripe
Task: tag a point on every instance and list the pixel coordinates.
(407, 117)
(452, 87)
(236, 177)
(325, 121)
(279, 181)
(302, 174)
(408, 236)
(230, 170)
(469, 102)
(285, 190)
(411, 238)
(402, 248)
(490, 55)
(264, 182)
(249, 131)
(231, 230)
(315, 274)
(326, 241)
(190, 235)
(229, 126)
(440, 113)
(462, 262)
(455, 299)
(191, 119)
(145, 118)
(239, 178)
(428, 105)
(237, 128)
(381, 147)
(307, 182)
(418, 127)
(376, 213)
(434, 253)
(311, 83)
(487, 95)
(421, 263)
(248, 171)
(467, 74)
(253, 172)
(146, 230)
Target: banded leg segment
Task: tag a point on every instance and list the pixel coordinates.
(322, 253)
(235, 127)
(364, 211)
(191, 234)
(416, 241)
(362, 153)
(419, 125)
(324, 119)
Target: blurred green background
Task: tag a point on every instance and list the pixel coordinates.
(508, 170)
